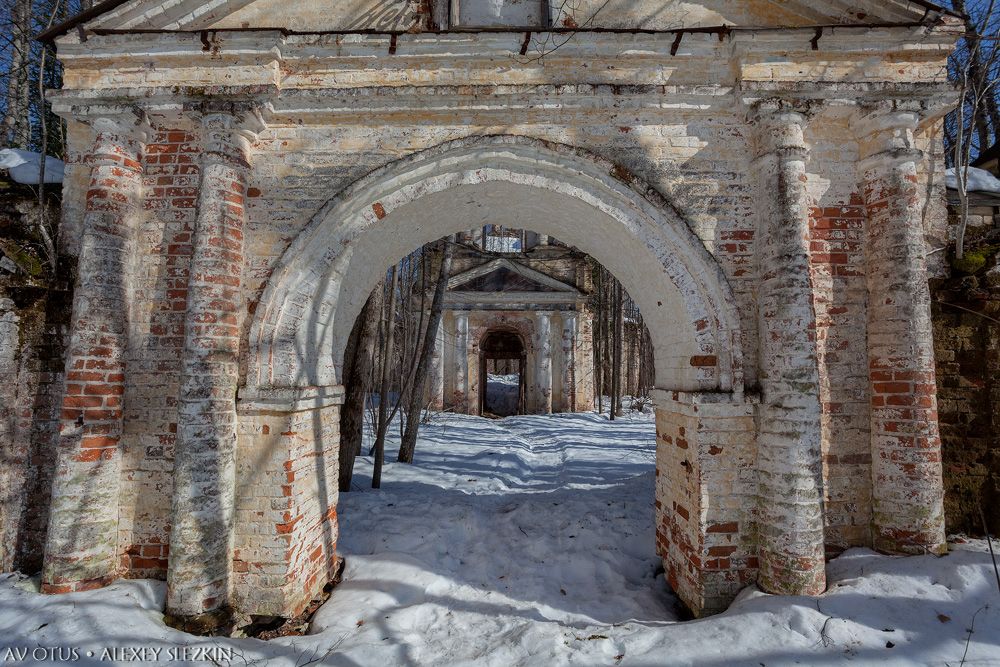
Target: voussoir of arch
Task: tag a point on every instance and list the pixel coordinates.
(317, 289)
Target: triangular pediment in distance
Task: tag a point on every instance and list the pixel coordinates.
(504, 275)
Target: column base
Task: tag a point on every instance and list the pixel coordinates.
(786, 575)
(906, 543)
(59, 587)
(216, 623)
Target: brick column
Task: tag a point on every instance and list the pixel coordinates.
(568, 348)
(788, 460)
(460, 400)
(204, 459)
(543, 364)
(81, 550)
(907, 493)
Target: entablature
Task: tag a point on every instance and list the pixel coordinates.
(175, 107)
(361, 60)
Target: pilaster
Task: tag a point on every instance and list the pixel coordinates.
(543, 363)
(285, 526)
(705, 486)
(568, 348)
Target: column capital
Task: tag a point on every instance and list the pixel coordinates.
(228, 128)
(779, 127)
(124, 124)
(770, 111)
(887, 131)
(235, 116)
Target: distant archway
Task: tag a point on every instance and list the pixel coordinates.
(501, 345)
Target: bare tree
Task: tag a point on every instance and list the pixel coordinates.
(564, 15)
(388, 350)
(48, 235)
(413, 324)
(975, 125)
(16, 120)
(623, 354)
(388, 337)
(28, 69)
(408, 443)
(618, 305)
(599, 338)
(359, 359)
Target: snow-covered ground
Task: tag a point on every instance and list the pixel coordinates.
(529, 541)
(503, 393)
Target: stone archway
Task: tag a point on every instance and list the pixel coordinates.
(289, 402)
(502, 344)
(305, 314)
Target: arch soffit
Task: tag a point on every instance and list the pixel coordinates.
(293, 337)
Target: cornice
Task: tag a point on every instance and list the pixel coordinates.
(174, 104)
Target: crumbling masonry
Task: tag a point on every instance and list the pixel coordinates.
(240, 174)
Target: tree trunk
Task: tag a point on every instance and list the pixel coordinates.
(407, 346)
(598, 339)
(980, 67)
(630, 370)
(417, 325)
(616, 361)
(645, 360)
(389, 323)
(358, 363)
(609, 332)
(984, 119)
(408, 444)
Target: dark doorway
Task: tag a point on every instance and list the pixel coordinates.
(501, 374)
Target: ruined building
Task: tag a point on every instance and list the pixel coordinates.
(516, 307)
(761, 175)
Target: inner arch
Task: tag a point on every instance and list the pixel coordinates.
(311, 303)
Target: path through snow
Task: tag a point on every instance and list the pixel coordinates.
(529, 541)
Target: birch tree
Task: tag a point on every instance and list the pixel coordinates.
(974, 126)
(408, 442)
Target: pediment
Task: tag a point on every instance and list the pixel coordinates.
(505, 276)
(415, 15)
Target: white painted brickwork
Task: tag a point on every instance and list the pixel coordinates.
(729, 179)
